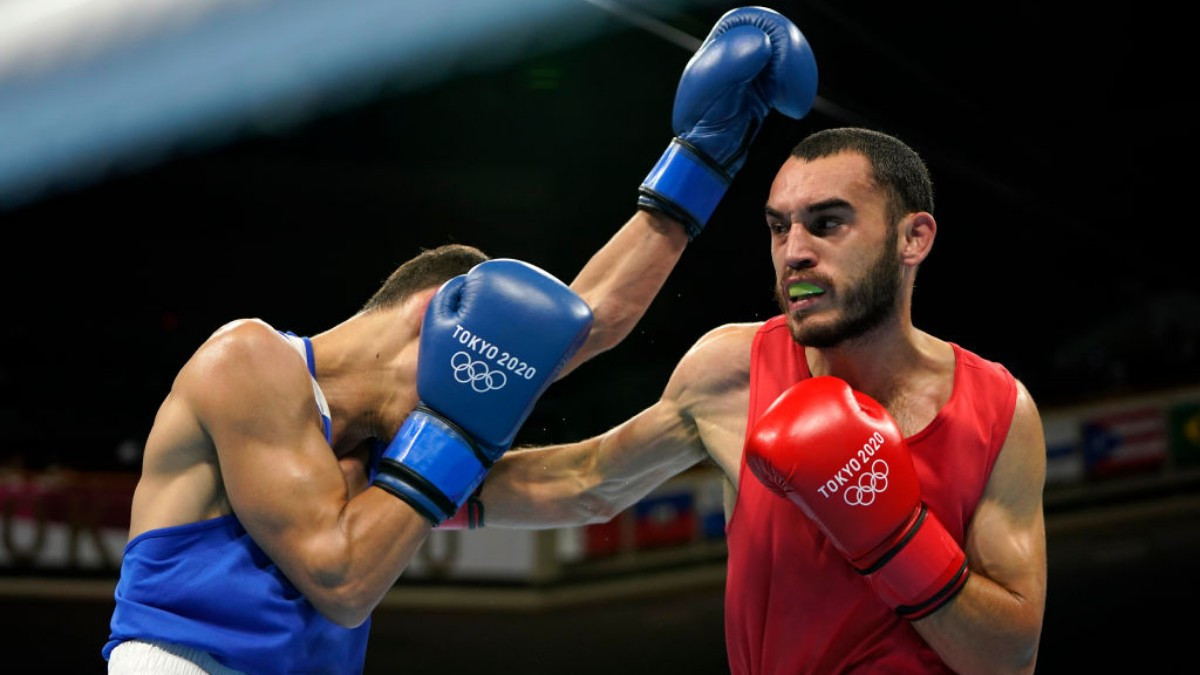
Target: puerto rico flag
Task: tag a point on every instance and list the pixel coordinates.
(1064, 450)
(1124, 442)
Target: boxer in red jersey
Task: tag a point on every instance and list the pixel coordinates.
(951, 577)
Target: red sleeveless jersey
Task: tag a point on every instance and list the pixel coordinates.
(792, 602)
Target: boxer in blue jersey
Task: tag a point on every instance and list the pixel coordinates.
(287, 481)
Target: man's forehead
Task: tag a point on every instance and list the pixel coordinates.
(801, 183)
(844, 165)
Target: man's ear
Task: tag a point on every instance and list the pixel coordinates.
(918, 231)
(419, 302)
(423, 298)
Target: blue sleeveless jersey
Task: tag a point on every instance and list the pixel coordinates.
(207, 585)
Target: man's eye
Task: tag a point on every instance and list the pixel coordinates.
(778, 228)
(823, 225)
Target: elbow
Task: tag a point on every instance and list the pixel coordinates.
(344, 606)
(1020, 661)
(1020, 658)
(1023, 667)
(994, 666)
(1025, 654)
(612, 322)
(348, 617)
(1027, 664)
(344, 597)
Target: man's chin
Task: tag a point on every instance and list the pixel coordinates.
(807, 331)
(801, 327)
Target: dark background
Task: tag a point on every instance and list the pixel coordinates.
(1056, 139)
(1060, 141)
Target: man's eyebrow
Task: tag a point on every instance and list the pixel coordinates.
(832, 203)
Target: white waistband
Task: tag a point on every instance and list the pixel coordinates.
(137, 657)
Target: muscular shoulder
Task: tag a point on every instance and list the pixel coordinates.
(717, 362)
(243, 358)
(1020, 469)
(1026, 429)
(242, 343)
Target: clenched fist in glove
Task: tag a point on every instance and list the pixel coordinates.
(492, 341)
(753, 61)
(838, 455)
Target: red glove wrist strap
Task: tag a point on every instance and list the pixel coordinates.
(925, 570)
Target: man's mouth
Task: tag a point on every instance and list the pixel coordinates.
(802, 290)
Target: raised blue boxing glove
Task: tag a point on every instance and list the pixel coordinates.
(492, 340)
(752, 61)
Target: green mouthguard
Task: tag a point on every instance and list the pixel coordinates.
(803, 289)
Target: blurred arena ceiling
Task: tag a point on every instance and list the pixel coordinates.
(277, 159)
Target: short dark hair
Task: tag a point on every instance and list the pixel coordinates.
(431, 267)
(895, 167)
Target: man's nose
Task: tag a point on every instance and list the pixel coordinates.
(799, 249)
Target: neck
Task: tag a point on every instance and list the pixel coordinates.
(367, 367)
(879, 362)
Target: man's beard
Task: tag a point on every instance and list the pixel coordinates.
(864, 305)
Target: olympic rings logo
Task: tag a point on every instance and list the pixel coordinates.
(869, 483)
(476, 373)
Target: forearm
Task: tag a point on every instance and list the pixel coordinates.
(348, 565)
(621, 280)
(985, 629)
(540, 488)
(582, 483)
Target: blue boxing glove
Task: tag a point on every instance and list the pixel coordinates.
(754, 60)
(492, 340)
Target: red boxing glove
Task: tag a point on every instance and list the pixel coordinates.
(838, 455)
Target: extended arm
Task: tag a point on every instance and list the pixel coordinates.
(752, 62)
(593, 480)
(700, 415)
(994, 625)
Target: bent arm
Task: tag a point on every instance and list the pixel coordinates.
(994, 625)
(284, 482)
(621, 280)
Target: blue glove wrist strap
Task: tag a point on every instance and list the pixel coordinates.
(686, 185)
(432, 465)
